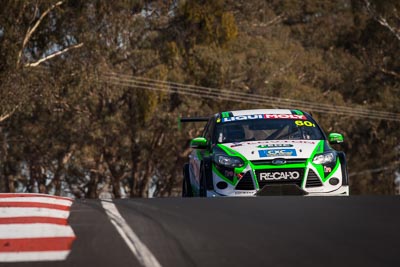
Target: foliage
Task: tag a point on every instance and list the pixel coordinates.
(75, 119)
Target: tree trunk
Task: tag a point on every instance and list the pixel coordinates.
(4, 184)
(135, 173)
(116, 187)
(92, 185)
(145, 183)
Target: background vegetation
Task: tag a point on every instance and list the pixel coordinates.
(86, 107)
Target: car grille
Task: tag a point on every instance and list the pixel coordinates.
(246, 183)
(269, 161)
(312, 179)
(272, 172)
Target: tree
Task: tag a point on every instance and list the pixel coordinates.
(90, 96)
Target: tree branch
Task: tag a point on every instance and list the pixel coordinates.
(30, 31)
(37, 63)
(6, 116)
(382, 20)
(389, 72)
(275, 20)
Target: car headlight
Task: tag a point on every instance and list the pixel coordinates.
(325, 158)
(227, 161)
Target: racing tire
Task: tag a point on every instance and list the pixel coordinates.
(202, 188)
(186, 185)
(205, 177)
(343, 162)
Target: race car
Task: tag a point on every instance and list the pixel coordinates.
(264, 152)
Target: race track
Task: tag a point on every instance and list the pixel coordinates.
(263, 231)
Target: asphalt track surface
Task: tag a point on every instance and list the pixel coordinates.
(262, 231)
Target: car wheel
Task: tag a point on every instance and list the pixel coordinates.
(206, 182)
(186, 185)
(203, 182)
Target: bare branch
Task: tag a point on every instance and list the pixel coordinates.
(6, 116)
(35, 13)
(275, 20)
(382, 20)
(30, 31)
(384, 23)
(37, 63)
(389, 72)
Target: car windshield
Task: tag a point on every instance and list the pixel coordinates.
(267, 129)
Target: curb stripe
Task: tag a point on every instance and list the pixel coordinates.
(138, 248)
(34, 227)
(32, 212)
(36, 244)
(33, 205)
(35, 230)
(28, 195)
(47, 200)
(21, 220)
(34, 256)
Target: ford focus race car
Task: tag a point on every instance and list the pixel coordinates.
(264, 152)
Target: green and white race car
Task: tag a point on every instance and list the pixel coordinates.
(264, 152)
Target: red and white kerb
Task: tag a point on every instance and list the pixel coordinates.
(34, 227)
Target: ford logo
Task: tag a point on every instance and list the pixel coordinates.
(279, 161)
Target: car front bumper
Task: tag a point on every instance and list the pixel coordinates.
(341, 191)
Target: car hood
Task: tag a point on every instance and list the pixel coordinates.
(270, 149)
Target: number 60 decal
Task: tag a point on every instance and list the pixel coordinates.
(305, 123)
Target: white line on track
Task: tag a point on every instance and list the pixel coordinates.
(35, 230)
(34, 256)
(8, 212)
(138, 248)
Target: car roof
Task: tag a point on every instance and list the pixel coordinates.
(260, 111)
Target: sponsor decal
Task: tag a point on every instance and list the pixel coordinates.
(327, 169)
(244, 193)
(270, 176)
(236, 144)
(298, 112)
(283, 142)
(225, 114)
(275, 145)
(304, 123)
(228, 173)
(277, 153)
(264, 116)
(240, 175)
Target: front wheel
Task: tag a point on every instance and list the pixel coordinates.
(206, 182)
(203, 186)
(186, 185)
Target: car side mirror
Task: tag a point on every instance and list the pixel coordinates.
(335, 138)
(199, 143)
